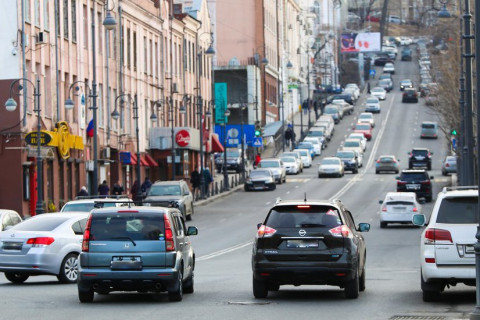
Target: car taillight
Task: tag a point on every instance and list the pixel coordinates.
(378, 161)
(384, 208)
(341, 232)
(401, 183)
(86, 235)
(415, 209)
(40, 241)
(265, 232)
(169, 244)
(425, 182)
(437, 236)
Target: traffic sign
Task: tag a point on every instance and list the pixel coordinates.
(372, 72)
(454, 143)
(257, 142)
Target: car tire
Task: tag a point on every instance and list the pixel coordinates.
(377, 172)
(362, 281)
(430, 292)
(85, 296)
(428, 198)
(429, 167)
(245, 188)
(383, 224)
(273, 187)
(355, 170)
(285, 179)
(260, 289)
(444, 173)
(396, 171)
(188, 286)
(352, 287)
(319, 176)
(176, 294)
(14, 277)
(69, 269)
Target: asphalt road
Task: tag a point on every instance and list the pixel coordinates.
(223, 288)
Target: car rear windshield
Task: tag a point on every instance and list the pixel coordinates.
(420, 152)
(330, 161)
(165, 190)
(458, 210)
(386, 159)
(428, 126)
(414, 176)
(304, 153)
(41, 223)
(233, 153)
(86, 206)
(345, 154)
(370, 100)
(352, 144)
(362, 127)
(316, 133)
(134, 226)
(399, 203)
(303, 217)
(269, 164)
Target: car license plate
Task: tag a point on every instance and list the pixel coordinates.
(12, 245)
(399, 209)
(413, 186)
(469, 249)
(126, 263)
(302, 243)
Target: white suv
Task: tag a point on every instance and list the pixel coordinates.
(446, 252)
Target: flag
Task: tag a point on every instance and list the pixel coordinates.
(90, 129)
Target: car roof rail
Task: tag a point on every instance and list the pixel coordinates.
(111, 196)
(97, 204)
(278, 200)
(459, 188)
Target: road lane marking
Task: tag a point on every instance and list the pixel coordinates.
(224, 251)
(268, 203)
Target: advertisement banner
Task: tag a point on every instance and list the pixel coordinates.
(234, 134)
(220, 102)
(361, 42)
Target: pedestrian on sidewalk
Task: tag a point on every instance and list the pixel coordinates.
(257, 160)
(305, 106)
(83, 192)
(135, 192)
(103, 189)
(117, 189)
(146, 186)
(195, 181)
(315, 108)
(288, 136)
(208, 180)
(368, 87)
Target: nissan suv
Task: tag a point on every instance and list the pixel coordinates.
(447, 254)
(309, 243)
(144, 249)
(420, 157)
(171, 193)
(417, 181)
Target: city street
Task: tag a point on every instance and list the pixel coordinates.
(223, 275)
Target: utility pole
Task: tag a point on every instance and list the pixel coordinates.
(383, 21)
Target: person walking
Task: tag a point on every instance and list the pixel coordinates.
(257, 160)
(117, 189)
(83, 192)
(368, 87)
(195, 181)
(208, 180)
(103, 189)
(288, 136)
(135, 191)
(146, 186)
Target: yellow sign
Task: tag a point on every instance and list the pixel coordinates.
(64, 141)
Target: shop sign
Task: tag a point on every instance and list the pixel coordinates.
(31, 138)
(182, 138)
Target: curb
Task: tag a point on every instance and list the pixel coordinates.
(217, 196)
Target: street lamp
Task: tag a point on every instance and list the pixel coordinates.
(11, 105)
(225, 171)
(242, 137)
(116, 115)
(264, 107)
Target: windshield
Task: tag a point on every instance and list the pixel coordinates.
(351, 144)
(316, 133)
(384, 82)
(259, 173)
(165, 190)
(365, 116)
(330, 110)
(386, 159)
(372, 100)
(304, 153)
(406, 82)
(428, 125)
(345, 154)
(305, 145)
(291, 154)
(420, 152)
(233, 153)
(330, 161)
(378, 90)
(269, 164)
(312, 141)
(362, 127)
(289, 159)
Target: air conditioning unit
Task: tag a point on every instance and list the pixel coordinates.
(106, 153)
(41, 38)
(174, 88)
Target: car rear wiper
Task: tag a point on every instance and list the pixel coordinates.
(124, 238)
(311, 225)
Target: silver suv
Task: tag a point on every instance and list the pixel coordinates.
(447, 255)
(144, 249)
(171, 193)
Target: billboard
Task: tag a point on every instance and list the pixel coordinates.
(361, 42)
(220, 102)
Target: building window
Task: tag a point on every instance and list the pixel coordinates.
(151, 57)
(114, 123)
(65, 19)
(85, 26)
(48, 92)
(28, 12)
(155, 61)
(37, 13)
(100, 106)
(73, 9)
(145, 58)
(100, 33)
(129, 45)
(46, 16)
(134, 50)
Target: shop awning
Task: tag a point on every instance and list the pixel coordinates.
(216, 145)
(151, 162)
(133, 159)
(143, 162)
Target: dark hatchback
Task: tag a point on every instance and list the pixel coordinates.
(344, 96)
(309, 243)
(420, 157)
(417, 181)
(410, 95)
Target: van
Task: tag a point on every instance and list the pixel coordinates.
(429, 130)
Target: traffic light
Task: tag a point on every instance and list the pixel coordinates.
(258, 130)
(453, 132)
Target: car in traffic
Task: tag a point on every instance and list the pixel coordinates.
(88, 203)
(306, 158)
(365, 128)
(372, 105)
(406, 54)
(379, 93)
(335, 111)
(143, 249)
(420, 158)
(317, 143)
(350, 160)
(386, 84)
(406, 83)
(309, 242)
(234, 160)
(260, 179)
(449, 165)
(307, 145)
(317, 133)
(277, 168)
(342, 96)
(360, 137)
(387, 163)
(447, 254)
(165, 193)
(9, 218)
(429, 129)
(417, 181)
(410, 95)
(367, 117)
(383, 59)
(297, 157)
(290, 164)
(399, 207)
(353, 86)
(45, 244)
(331, 166)
(389, 68)
(354, 145)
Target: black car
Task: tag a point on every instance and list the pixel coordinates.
(407, 54)
(409, 95)
(420, 157)
(349, 158)
(382, 60)
(417, 181)
(309, 243)
(345, 96)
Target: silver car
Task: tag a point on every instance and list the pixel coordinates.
(8, 218)
(277, 167)
(331, 166)
(47, 244)
(449, 165)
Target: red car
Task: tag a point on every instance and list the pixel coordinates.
(373, 18)
(365, 128)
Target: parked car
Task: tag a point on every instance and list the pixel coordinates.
(307, 145)
(343, 96)
(234, 160)
(318, 133)
(447, 254)
(309, 242)
(277, 167)
(429, 129)
(297, 157)
(317, 144)
(399, 207)
(335, 111)
(410, 95)
(165, 193)
(389, 68)
(449, 165)
(417, 181)
(367, 117)
(360, 137)
(420, 157)
(144, 249)
(260, 179)
(87, 204)
(331, 166)
(387, 163)
(9, 218)
(379, 93)
(290, 164)
(306, 158)
(355, 87)
(345, 106)
(45, 244)
(407, 54)
(406, 83)
(386, 84)
(372, 105)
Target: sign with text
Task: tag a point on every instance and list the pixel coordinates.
(31, 138)
(361, 42)
(234, 134)
(220, 102)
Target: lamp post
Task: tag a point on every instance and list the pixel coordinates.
(264, 111)
(115, 115)
(11, 105)
(225, 171)
(242, 137)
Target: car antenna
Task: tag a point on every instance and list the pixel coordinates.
(305, 199)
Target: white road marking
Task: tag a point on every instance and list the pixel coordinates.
(268, 203)
(222, 252)
(288, 192)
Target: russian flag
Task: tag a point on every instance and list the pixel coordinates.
(90, 129)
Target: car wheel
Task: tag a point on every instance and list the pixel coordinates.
(16, 277)
(429, 167)
(362, 282)
(383, 224)
(176, 294)
(444, 173)
(189, 217)
(85, 296)
(355, 170)
(396, 171)
(273, 187)
(377, 172)
(285, 179)
(319, 176)
(428, 198)
(260, 289)
(245, 188)
(430, 292)
(69, 269)
(352, 287)
(188, 285)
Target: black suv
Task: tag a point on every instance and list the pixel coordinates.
(309, 243)
(144, 249)
(420, 157)
(350, 160)
(417, 181)
(234, 160)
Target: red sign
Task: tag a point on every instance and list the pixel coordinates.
(182, 138)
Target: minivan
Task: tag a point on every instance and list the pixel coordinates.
(429, 130)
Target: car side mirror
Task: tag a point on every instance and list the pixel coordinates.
(380, 201)
(363, 227)
(431, 177)
(419, 220)
(259, 225)
(397, 178)
(192, 231)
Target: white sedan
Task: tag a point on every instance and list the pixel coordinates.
(389, 68)
(367, 117)
(290, 164)
(331, 166)
(306, 158)
(379, 92)
(361, 138)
